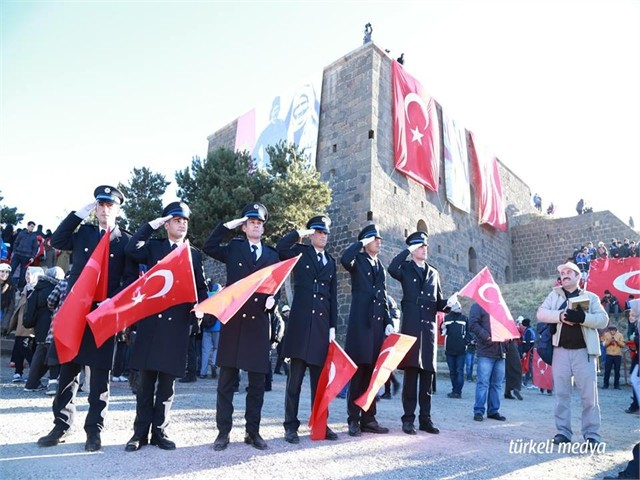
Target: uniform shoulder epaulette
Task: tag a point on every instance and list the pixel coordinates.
(238, 239)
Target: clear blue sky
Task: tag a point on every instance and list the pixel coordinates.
(90, 90)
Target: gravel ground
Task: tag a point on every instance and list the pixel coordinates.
(464, 449)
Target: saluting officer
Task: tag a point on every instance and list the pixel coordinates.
(122, 272)
(421, 300)
(244, 340)
(369, 322)
(314, 315)
(160, 351)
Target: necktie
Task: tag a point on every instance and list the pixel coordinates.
(174, 246)
(101, 233)
(320, 260)
(376, 267)
(254, 253)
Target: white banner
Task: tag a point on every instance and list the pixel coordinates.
(456, 164)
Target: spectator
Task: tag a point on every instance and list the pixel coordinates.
(551, 209)
(24, 250)
(610, 304)
(7, 297)
(613, 342)
(582, 260)
(210, 336)
(537, 202)
(491, 366)
(574, 356)
(580, 206)
(631, 322)
(526, 348)
(454, 329)
(613, 248)
(280, 362)
(602, 251)
(624, 250)
(394, 313)
(593, 253)
(469, 355)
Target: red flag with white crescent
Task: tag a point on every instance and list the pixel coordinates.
(91, 286)
(488, 186)
(225, 304)
(336, 373)
(486, 293)
(416, 130)
(394, 348)
(542, 372)
(170, 282)
(621, 276)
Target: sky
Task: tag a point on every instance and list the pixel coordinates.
(91, 89)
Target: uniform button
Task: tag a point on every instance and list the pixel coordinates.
(240, 264)
(169, 318)
(315, 281)
(159, 315)
(253, 317)
(320, 314)
(313, 311)
(244, 315)
(314, 295)
(415, 280)
(86, 249)
(255, 299)
(111, 255)
(307, 266)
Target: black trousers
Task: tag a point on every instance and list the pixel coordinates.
(156, 391)
(359, 383)
(227, 381)
(64, 408)
(412, 394)
(297, 369)
(38, 366)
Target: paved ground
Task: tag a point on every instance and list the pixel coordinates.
(464, 449)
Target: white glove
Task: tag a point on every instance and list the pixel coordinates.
(414, 247)
(389, 330)
(158, 222)
(452, 300)
(233, 224)
(306, 233)
(269, 303)
(85, 211)
(199, 314)
(332, 334)
(367, 241)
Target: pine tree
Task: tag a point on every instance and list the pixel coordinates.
(143, 197)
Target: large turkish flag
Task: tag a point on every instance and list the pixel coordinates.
(621, 276)
(416, 130)
(170, 282)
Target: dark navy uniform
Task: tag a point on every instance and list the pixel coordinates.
(421, 300)
(245, 339)
(122, 272)
(313, 312)
(160, 351)
(368, 318)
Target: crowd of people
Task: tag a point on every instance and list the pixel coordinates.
(164, 348)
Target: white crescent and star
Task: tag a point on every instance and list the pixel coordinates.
(415, 98)
(332, 373)
(620, 283)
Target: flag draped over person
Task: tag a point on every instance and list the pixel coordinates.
(170, 282)
(486, 293)
(230, 299)
(393, 350)
(336, 373)
(70, 321)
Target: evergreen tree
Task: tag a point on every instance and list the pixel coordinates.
(143, 197)
(9, 215)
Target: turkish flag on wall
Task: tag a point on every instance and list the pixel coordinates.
(230, 299)
(621, 276)
(337, 371)
(486, 293)
(542, 372)
(91, 286)
(394, 348)
(170, 282)
(488, 186)
(416, 131)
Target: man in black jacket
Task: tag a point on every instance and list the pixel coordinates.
(244, 340)
(122, 272)
(369, 322)
(314, 315)
(454, 330)
(23, 252)
(160, 350)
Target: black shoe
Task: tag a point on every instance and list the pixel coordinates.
(162, 442)
(354, 429)
(592, 441)
(330, 434)
(616, 388)
(604, 387)
(429, 427)
(93, 443)
(516, 394)
(188, 379)
(53, 438)
(221, 442)
(395, 385)
(202, 377)
(559, 438)
(497, 416)
(408, 428)
(477, 417)
(623, 474)
(386, 395)
(374, 427)
(214, 373)
(135, 443)
(454, 395)
(632, 410)
(277, 372)
(291, 436)
(508, 396)
(256, 440)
